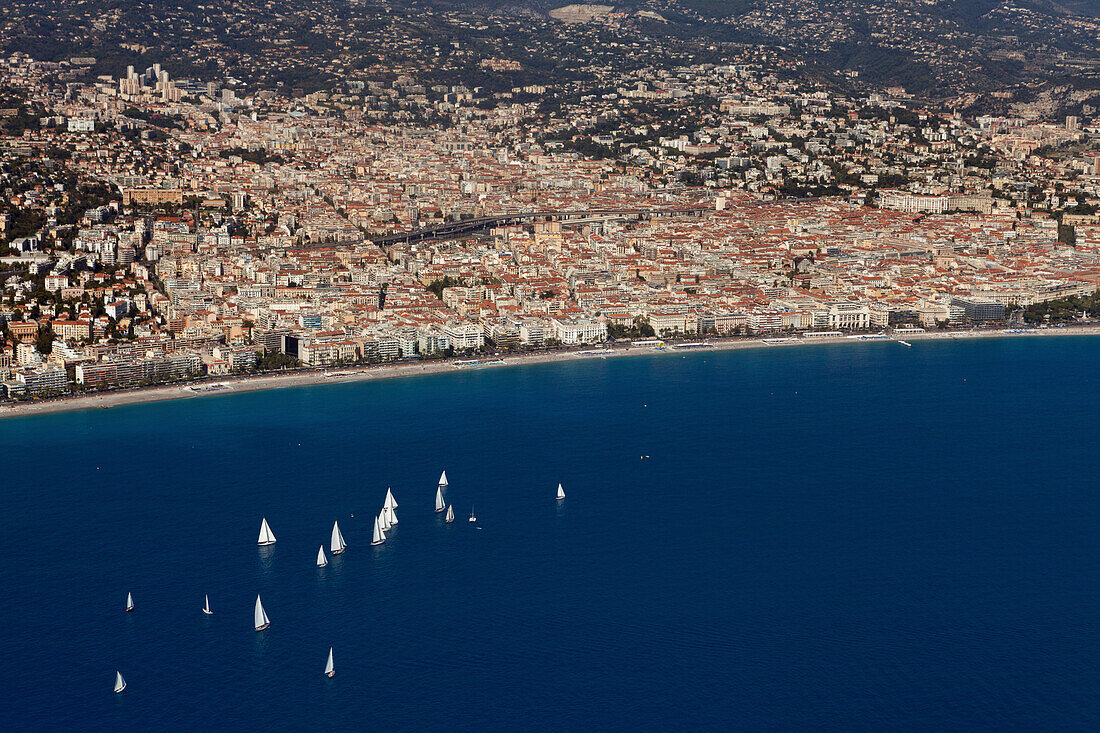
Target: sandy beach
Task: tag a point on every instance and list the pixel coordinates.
(234, 385)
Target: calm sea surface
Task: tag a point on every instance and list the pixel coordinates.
(856, 537)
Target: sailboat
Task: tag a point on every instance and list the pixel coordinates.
(260, 616)
(266, 536)
(206, 606)
(379, 536)
(561, 492)
(450, 513)
(321, 559)
(383, 520)
(120, 684)
(439, 504)
(389, 506)
(329, 669)
(337, 544)
(473, 518)
(443, 479)
(129, 602)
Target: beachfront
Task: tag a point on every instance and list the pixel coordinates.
(251, 383)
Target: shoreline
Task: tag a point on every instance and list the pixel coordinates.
(253, 383)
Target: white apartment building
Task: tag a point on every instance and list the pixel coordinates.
(665, 323)
(327, 354)
(47, 380)
(578, 331)
(463, 336)
(533, 331)
(81, 124)
(917, 204)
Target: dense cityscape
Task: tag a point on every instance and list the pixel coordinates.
(161, 228)
(729, 358)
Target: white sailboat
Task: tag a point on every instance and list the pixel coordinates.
(337, 544)
(450, 512)
(129, 602)
(260, 616)
(439, 503)
(120, 684)
(443, 479)
(473, 517)
(329, 669)
(389, 506)
(267, 537)
(206, 606)
(379, 536)
(383, 520)
(321, 559)
(561, 492)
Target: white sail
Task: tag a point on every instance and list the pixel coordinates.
(439, 505)
(337, 544)
(267, 537)
(450, 513)
(321, 559)
(329, 669)
(120, 684)
(473, 517)
(206, 606)
(561, 492)
(443, 479)
(129, 602)
(378, 537)
(383, 520)
(260, 616)
(388, 506)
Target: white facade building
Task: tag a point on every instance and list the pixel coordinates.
(849, 316)
(464, 336)
(81, 124)
(578, 331)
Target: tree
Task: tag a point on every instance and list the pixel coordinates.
(274, 360)
(44, 340)
(1067, 234)
(639, 328)
(438, 286)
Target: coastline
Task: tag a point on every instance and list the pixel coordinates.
(359, 373)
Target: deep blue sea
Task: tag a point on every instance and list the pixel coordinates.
(846, 537)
